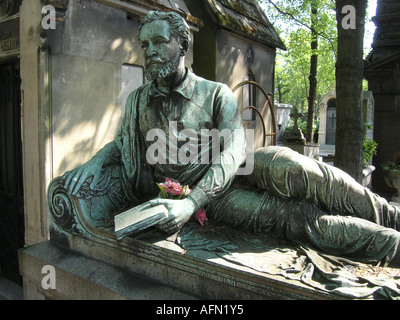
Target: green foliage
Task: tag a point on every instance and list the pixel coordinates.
(302, 123)
(393, 165)
(369, 147)
(369, 150)
(292, 19)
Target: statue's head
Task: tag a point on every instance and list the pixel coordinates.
(165, 38)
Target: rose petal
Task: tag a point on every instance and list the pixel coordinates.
(201, 217)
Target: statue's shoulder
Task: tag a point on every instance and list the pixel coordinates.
(212, 86)
(143, 88)
(133, 95)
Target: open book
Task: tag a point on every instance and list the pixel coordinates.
(138, 218)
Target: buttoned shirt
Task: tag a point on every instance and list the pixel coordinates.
(165, 136)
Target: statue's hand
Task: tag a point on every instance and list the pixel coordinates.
(179, 212)
(76, 177)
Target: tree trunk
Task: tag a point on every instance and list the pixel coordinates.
(349, 77)
(279, 93)
(313, 74)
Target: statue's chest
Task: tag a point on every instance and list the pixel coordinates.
(172, 116)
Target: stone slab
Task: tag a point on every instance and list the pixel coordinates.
(81, 278)
(165, 263)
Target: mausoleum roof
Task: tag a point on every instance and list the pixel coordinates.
(178, 6)
(246, 18)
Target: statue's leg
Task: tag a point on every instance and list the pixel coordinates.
(305, 223)
(290, 175)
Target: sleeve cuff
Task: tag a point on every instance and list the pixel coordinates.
(199, 197)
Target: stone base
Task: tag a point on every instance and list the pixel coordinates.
(367, 176)
(136, 269)
(81, 278)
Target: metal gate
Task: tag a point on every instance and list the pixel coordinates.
(260, 113)
(11, 186)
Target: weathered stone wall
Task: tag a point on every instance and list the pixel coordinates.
(235, 57)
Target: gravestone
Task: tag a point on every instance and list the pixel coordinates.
(282, 112)
(368, 118)
(295, 140)
(327, 128)
(323, 109)
(327, 108)
(368, 113)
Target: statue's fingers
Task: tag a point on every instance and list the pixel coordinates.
(71, 178)
(172, 228)
(166, 222)
(95, 180)
(67, 179)
(78, 181)
(169, 227)
(65, 175)
(168, 203)
(157, 201)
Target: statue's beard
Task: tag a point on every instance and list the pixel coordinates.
(157, 68)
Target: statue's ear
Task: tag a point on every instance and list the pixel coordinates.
(184, 46)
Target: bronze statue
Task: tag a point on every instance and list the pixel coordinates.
(286, 194)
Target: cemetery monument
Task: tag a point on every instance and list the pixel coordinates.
(161, 136)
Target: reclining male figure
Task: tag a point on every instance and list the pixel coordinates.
(286, 195)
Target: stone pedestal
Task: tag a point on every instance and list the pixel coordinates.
(367, 176)
(79, 277)
(392, 179)
(135, 269)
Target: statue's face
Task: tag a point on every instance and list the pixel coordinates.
(161, 50)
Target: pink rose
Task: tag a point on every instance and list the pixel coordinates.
(174, 188)
(200, 216)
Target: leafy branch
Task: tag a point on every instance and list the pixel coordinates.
(331, 40)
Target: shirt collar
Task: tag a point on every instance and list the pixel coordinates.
(185, 88)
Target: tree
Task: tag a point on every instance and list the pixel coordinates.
(338, 42)
(309, 32)
(350, 16)
(313, 72)
(292, 69)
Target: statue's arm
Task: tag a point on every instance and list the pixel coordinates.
(233, 152)
(74, 179)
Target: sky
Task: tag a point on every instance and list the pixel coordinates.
(369, 25)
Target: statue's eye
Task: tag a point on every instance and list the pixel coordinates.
(144, 44)
(160, 40)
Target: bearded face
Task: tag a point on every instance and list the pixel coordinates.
(162, 51)
(159, 68)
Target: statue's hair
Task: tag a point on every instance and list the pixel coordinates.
(179, 27)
